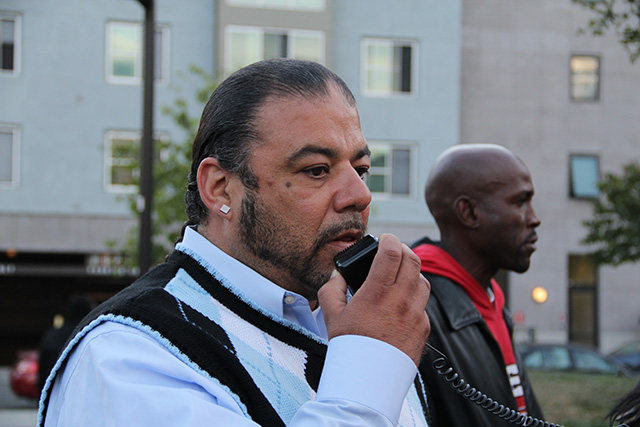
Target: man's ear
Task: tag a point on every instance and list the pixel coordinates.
(466, 210)
(212, 184)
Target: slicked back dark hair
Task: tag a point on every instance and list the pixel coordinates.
(227, 128)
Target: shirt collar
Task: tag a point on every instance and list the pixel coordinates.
(256, 287)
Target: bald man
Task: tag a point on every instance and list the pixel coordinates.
(480, 197)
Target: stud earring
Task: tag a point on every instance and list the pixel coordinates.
(225, 209)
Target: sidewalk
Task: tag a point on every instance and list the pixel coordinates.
(15, 411)
(18, 417)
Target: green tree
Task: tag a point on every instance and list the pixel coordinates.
(623, 16)
(172, 164)
(615, 227)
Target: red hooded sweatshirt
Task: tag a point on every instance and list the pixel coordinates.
(437, 261)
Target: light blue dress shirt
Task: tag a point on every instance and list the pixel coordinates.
(120, 376)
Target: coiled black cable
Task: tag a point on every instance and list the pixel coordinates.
(481, 399)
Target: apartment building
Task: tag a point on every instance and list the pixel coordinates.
(568, 105)
(70, 120)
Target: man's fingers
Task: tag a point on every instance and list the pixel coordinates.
(410, 268)
(387, 261)
(390, 306)
(395, 264)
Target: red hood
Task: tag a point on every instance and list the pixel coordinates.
(437, 261)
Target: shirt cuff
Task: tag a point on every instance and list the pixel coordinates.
(369, 372)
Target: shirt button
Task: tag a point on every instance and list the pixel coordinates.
(289, 299)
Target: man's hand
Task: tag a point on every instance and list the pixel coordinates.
(390, 305)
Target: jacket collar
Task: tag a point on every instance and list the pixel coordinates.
(457, 306)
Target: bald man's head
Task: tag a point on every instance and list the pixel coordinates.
(474, 170)
(480, 197)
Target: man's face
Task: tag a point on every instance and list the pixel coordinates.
(509, 224)
(311, 201)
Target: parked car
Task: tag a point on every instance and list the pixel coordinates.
(629, 355)
(24, 374)
(569, 357)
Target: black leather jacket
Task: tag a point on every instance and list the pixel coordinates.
(458, 331)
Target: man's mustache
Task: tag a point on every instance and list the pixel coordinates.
(334, 231)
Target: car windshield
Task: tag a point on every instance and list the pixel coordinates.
(629, 348)
(549, 358)
(569, 358)
(588, 361)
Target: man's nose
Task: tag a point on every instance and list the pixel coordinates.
(352, 193)
(534, 221)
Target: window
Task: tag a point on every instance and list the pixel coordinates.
(9, 156)
(121, 164)
(125, 55)
(308, 5)
(122, 151)
(585, 78)
(584, 176)
(9, 44)
(391, 169)
(388, 67)
(556, 358)
(246, 45)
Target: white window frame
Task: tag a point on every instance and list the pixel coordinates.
(136, 79)
(165, 51)
(266, 4)
(364, 67)
(573, 184)
(109, 162)
(574, 75)
(17, 44)
(15, 155)
(291, 34)
(136, 136)
(387, 171)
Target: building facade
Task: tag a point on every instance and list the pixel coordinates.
(70, 116)
(427, 75)
(567, 105)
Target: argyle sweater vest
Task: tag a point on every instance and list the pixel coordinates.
(269, 365)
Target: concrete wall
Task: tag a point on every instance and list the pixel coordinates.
(515, 92)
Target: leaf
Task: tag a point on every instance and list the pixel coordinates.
(614, 229)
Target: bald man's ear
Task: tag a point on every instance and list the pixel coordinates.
(212, 184)
(465, 209)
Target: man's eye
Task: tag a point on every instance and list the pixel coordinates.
(363, 171)
(317, 171)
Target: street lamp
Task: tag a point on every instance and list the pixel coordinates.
(145, 199)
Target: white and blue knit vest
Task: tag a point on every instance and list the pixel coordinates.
(268, 364)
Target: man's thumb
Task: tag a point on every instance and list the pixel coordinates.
(332, 297)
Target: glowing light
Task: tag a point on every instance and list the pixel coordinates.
(539, 294)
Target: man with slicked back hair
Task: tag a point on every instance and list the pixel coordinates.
(246, 323)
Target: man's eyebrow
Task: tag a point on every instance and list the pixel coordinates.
(364, 152)
(523, 194)
(309, 150)
(330, 153)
